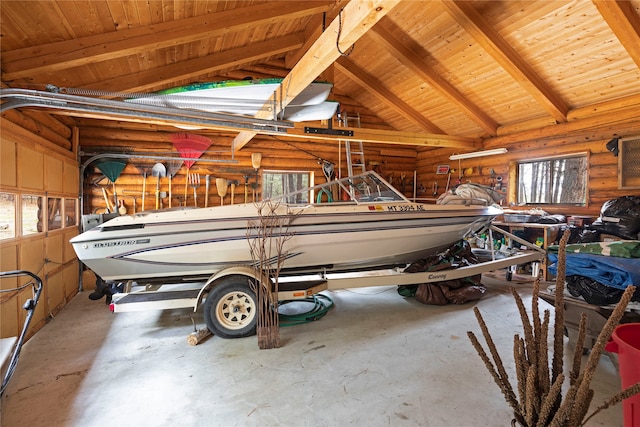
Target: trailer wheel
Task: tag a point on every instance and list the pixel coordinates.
(231, 310)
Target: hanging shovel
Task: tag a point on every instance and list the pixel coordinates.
(159, 171)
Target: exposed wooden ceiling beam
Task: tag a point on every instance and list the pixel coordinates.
(298, 132)
(391, 40)
(390, 137)
(57, 56)
(148, 79)
(355, 19)
(491, 41)
(380, 91)
(625, 23)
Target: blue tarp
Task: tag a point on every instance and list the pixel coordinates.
(610, 271)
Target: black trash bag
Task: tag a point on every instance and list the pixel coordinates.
(574, 233)
(620, 217)
(588, 236)
(592, 291)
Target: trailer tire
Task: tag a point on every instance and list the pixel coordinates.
(231, 308)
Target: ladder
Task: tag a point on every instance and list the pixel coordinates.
(355, 152)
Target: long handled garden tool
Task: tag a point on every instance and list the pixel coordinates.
(173, 166)
(159, 171)
(246, 188)
(233, 184)
(222, 186)
(112, 168)
(207, 184)
(194, 182)
(144, 170)
(189, 146)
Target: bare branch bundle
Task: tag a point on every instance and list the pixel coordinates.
(267, 238)
(540, 397)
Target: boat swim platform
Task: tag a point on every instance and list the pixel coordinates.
(173, 296)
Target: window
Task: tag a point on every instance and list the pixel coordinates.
(557, 180)
(7, 215)
(629, 163)
(54, 207)
(70, 212)
(32, 210)
(278, 183)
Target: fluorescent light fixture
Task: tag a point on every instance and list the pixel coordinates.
(478, 154)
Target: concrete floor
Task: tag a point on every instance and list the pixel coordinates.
(377, 359)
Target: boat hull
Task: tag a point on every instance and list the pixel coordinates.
(187, 244)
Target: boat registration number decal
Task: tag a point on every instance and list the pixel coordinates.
(405, 208)
(120, 243)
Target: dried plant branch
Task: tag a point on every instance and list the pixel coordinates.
(549, 401)
(530, 397)
(522, 367)
(496, 377)
(544, 381)
(558, 330)
(494, 353)
(526, 325)
(614, 400)
(577, 354)
(598, 348)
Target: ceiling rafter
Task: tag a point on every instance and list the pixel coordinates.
(391, 40)
(380, 91)
(57, 56)
(491, 41)
(221, 61)
(625, 24)
(355, 19)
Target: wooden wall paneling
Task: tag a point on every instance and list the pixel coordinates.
(54, 250)
(8, 155)
(70, 281)
(9, 317)
(53, 174)
(70, 178)
(30, 168)
(68, 254)
(55, 295)
(31, 254)
(8, 302)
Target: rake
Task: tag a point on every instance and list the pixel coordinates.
(194, 182)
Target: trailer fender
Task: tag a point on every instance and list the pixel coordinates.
(213, 280)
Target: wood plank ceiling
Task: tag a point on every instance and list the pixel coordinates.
(438, 73)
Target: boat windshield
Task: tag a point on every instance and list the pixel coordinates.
(364, 188)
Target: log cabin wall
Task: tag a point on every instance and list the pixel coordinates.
(395, 163)
(542, 142)
(39, 188)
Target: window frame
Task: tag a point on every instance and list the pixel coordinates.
(310, 174)
(67, 205)
(515, 178)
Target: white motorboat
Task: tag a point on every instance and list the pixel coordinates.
(378, 226)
